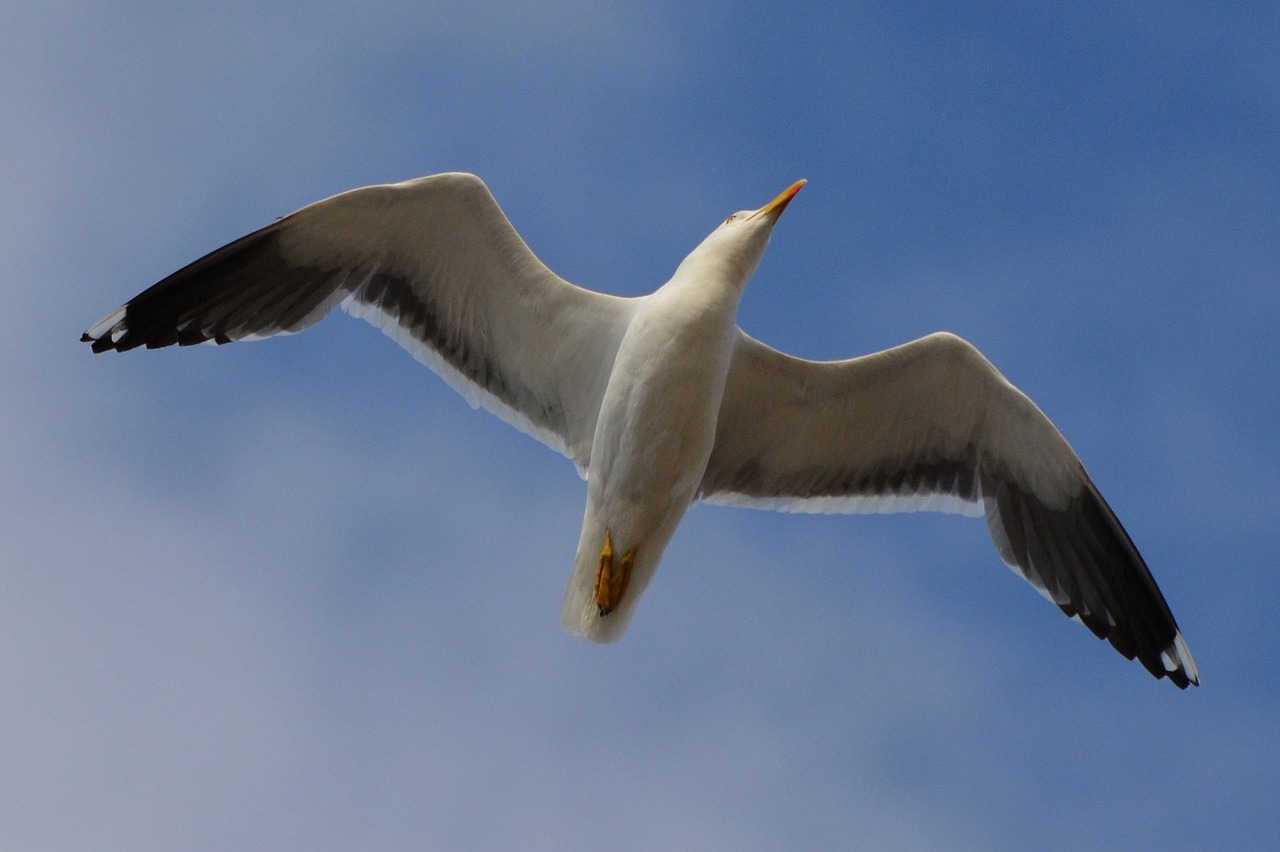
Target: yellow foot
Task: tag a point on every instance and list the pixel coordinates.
(612, 577)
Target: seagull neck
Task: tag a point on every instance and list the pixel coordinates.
(700, 289)
(708, 272)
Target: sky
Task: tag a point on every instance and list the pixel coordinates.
(298, 594)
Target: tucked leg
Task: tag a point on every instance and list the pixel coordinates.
(612, 576)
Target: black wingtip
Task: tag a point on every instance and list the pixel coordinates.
(1174, 663)
(1179, 678)
(209, 299)
(98, 344)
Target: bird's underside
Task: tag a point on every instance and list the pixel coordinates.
(927, 425)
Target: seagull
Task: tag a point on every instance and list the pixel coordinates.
(662, 400)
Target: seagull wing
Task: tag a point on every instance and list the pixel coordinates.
(435, 264)
(933, 425)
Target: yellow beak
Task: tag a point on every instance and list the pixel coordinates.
(780, 203)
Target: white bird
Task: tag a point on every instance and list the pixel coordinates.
(662, 400)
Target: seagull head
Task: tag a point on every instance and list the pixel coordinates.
(734, 249)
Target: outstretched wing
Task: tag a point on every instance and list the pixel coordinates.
(435, 264)
(933, 425)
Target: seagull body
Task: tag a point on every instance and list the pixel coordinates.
(662, 400)
(657, 425)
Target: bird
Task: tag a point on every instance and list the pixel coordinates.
(662, 400)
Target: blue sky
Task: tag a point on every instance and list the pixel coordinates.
(297, 594)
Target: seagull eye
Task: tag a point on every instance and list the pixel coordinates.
(731, 218)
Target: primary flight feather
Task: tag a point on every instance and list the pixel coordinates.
(662, 400)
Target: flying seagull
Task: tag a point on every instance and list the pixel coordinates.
(662, 400)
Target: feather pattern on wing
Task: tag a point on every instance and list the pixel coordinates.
(932, 424)
(436, 265)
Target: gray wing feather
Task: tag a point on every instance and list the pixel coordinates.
(933, 425)
(436, 265)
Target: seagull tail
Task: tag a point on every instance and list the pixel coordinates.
(606, 584)
(582, 615)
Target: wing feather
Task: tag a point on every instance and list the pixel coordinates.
(437, 266)
(933, 425)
